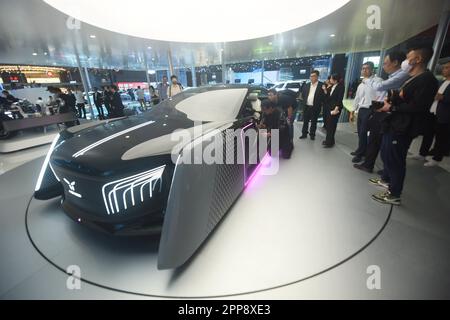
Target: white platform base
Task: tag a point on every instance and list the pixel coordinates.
(299, 234)
(27, 140)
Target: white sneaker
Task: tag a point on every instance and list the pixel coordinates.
(417, 157)
(431, 163)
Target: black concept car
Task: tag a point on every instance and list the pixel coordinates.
(120, 175)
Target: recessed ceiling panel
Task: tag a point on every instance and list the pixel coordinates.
(199, 20)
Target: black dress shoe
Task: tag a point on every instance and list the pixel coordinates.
(313, 138)
(362, 168)
(324, 143)
(303, 137)
(357, 159)
(327, 146)
(354, 153)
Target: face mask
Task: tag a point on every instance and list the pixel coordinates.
(406, 66)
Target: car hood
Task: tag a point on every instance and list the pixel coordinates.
(118, 144)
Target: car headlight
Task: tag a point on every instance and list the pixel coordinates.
(46, 165)
(125, 192)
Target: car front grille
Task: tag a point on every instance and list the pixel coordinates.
(120, 195)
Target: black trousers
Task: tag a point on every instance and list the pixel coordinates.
(394, 151)
(310, 114)
(71, 123)
(81, 110)
(325, 115)
(332, 122)
(363, 129)
(108, 108)
(429, 125)
(100, 111)
(116, 112)
(374, 140)
(442, 144)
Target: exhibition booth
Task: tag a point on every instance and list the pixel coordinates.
(167, 157)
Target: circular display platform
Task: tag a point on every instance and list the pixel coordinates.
(282, 230)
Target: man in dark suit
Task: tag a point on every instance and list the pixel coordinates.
(98, 101)
(313, 97)
(441, 109)
(116, 103)
(405, 122)
(107, 99)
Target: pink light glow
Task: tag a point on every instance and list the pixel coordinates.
(243, 145)
(266, 160)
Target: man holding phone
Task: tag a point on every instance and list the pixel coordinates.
(397, 77)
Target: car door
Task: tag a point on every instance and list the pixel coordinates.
(201, 194)
(293, 86)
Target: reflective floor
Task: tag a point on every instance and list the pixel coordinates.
(311, 231)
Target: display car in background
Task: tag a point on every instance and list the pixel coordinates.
(120, 177)
(293, 85)
(131, 106)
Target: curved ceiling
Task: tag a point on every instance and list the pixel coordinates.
(32, 32)
(199, 20)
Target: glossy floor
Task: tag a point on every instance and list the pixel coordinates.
(300, 224)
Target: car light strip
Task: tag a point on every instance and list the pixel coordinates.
(104, 140)
(54, 173)
(265, 161)
(75, 194)
(46, 162)
(243, 146)
(128, 185)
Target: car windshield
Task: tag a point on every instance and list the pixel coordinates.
(208, 104)
(293, 85)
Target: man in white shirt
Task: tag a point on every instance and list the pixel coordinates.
(80, 103)
(313, 97)
(40, 103)
(397, 77)
(441, 111)
(362, 105)
(174, 88)
(141, 97)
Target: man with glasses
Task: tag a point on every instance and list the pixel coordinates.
(313, 97)
(365, 95)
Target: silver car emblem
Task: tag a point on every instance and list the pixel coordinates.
(71, 186)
